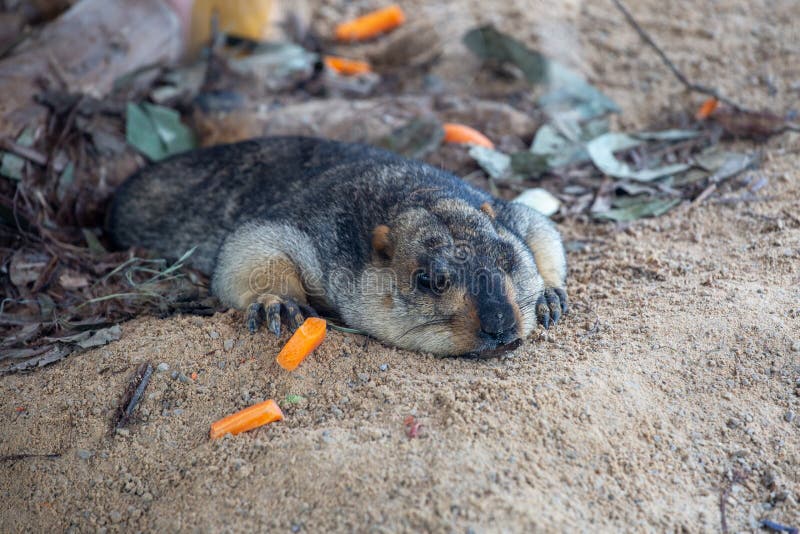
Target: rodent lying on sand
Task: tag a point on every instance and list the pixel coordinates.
(408, 253)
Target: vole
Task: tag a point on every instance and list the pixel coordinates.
(408, 253)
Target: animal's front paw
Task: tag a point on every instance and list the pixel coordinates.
(275, 311)
(552, 304)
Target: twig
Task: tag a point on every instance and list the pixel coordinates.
(134, 393)
(23, 151)
(697, 88)
(704, 195)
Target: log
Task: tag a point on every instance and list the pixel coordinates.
(92, 44)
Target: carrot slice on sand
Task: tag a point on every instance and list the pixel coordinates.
(302, 343)
(347, 67)
(706, 109)
(459, 133)
(247, 419)
(372, 24)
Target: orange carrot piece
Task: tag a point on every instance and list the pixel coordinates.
(458, 133)
(347, 67)
(706, 109)
(302, 343)
(371, 24)
(247, 419)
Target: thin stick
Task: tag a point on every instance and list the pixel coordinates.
(23, 151)
(710, 91)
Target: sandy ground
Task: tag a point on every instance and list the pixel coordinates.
(677, 371)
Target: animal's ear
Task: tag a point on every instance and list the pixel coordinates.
(487, 208)
(382, 242)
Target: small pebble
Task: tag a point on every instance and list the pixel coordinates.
(326, 436)
(83, 454)
(384, 367)
(183, 378)
(214, 334)
(227, 344)
(337, 412)
(221, 365)
(295, 528)
(123, 432)
(163, 367)
(364, 377)
(789, 416)
(115, 516)
(174, 375)
(178, 411)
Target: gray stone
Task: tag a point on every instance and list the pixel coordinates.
(214, 334)
(163, 367)
(83, 454)
(789, 416)
(227, 344)
(384, 367)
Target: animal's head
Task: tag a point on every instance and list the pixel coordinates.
(450, 280)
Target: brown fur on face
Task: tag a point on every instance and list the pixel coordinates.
(430, 299)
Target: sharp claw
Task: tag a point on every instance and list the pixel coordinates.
(254, 317)
(555, 315)
(274, 318)
(562, 296)
(292, 316)
(553, 304)
(543, 312)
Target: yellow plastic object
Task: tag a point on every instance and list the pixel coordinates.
(243, 18)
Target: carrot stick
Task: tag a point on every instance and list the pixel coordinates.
(302, 343)
(458, 133)
(347, 67)
(371, 24)
(251, 417)
(706, 109)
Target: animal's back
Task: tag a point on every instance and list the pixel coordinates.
(197, 198)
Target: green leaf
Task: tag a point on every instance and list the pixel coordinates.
(723, 164)
(602, 149)
(557, 149)
(528, 164)
(489, 44)
(495, 163)
(569, 89)
(140, 132)
(416, 139)
(11, 165)
(172, 132)
(157, 131)
(636, 208)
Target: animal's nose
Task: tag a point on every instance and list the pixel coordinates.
(497, 321)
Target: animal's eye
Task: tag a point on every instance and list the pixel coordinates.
(423, 281)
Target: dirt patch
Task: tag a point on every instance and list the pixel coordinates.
(676, 373)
